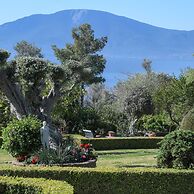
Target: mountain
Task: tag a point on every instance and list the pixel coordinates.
(129, 41)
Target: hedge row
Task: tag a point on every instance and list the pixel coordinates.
(123, 143)
(113, 181)
(33, 186)
(120, 143)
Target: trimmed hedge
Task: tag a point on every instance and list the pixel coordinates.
(113, 181)
(33, 186)
(123, 143)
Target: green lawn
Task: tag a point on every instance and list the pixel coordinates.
(4, 157)
(127, 158)
(114, 158)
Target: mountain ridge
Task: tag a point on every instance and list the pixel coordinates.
(129, 41)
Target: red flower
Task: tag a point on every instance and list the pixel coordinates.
(82, 145)
(35, 159)
(87, 146)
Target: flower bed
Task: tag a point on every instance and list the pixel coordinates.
(87, 164)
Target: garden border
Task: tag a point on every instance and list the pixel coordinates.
(123, 143)
(113, 180)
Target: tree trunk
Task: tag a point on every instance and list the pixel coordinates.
(15, 97)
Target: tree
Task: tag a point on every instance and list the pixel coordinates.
(25, 49)
(134, 96)
(98, 96)
(83, 56)
(176, 97)
(33, 85)
(4, 112)
(23, 81)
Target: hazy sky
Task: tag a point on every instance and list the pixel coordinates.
(173, 14)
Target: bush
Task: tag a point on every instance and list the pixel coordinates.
(177, 150)
(22, 137)
(15, 185)
(155, 123)
(188, 121)
(123, 143)
(113, 181)
(1, 140)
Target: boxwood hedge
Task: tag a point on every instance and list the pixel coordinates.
(112, 180)
(123, 143)
(19, 185)
(120, 143)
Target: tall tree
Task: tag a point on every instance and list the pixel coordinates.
(83, 56)
(33, 85)
(26, 49)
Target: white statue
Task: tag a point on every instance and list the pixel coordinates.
(45, 135)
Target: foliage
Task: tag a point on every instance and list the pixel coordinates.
(69, 152)
(1, 141)
(5, 113)
(123, 143)
(134, 96)
(22, 137)
(19, 185)
(25, 49)
(177, 150)
(155, 123)
(175, 97)
(188, 121)
(113, 180)
(82, 57)
(33, 85)
(113, 120)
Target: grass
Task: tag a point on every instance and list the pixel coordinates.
(127, 158)
(4, 157)
(113, 158)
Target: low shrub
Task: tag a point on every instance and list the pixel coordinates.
(177, 150)
(22, 137)
(113, 181)
(17, 185)
(1, 140)
(123, 143)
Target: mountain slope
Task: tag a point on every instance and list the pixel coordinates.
(129, 41)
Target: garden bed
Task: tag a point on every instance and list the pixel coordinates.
(87, 164)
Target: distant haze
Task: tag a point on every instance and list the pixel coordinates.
(129, 41)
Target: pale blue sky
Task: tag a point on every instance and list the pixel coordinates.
(173, 14)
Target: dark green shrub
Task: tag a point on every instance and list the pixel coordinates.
(113, 181)
(1, 140)
(123, 143)
(177, 150)
(16, 185)
(22, 137)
